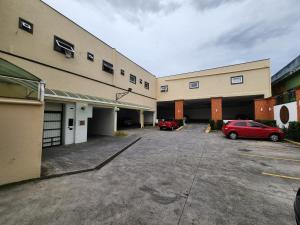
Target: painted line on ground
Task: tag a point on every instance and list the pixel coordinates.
(293, 142)
(178, 129)
(270, 157)
(281, 176)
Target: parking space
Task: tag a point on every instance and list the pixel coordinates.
(179, 177)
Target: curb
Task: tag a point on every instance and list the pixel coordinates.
(179, 128)
(292, 142)
(98, 167)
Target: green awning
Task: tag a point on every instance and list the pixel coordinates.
(66, 95)
(10, 70)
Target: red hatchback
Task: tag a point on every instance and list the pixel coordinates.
(169, 124)
(250, 129)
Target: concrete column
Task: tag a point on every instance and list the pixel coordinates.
(216, 109)
(179, 110)
(298, 102)
(154, 118)
(116, 109)
(142, 118)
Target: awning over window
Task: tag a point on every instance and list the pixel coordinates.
(10, 70)
(66, 95)
(16, 82)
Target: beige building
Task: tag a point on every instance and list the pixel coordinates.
(60, 85)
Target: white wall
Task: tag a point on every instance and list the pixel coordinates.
(292, 107)
(148, 117)
(102, 122)
(83, 112)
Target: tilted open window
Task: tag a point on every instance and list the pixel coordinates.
(107, 67)
(132, 79)
(194, 85)
(146, 85)
(25, 25)
(64, 47)
(164, 88)
(90, 56)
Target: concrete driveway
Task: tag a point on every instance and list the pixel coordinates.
(184, 177)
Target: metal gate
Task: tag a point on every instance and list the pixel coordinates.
(52, 134)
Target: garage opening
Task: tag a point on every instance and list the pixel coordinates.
(148, 118)
(52, 129)
(102, 122)
(197, 111)
(166, 110)
(239, 107)
(128, 118)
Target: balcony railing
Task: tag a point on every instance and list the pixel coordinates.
(286, 97)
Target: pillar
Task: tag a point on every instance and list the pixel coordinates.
(264, 108)
(142, 118)
(216, 109)
(298, 102)
(179, 110)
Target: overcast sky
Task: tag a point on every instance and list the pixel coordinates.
(175, 36)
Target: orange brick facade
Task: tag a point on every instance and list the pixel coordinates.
(264, 109)
(216, 109)
(179, 110)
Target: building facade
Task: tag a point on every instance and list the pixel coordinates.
(77, 86)
(286, 91)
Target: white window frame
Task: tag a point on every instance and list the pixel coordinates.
(192, 83)
(164, 88)
(237, 80)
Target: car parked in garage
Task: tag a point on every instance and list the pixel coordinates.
(251, 129)
(168, 124)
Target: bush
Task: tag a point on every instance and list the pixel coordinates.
(120, 134)
(219, 124)
(293, 131)
(212, 124)
(271, 123)
(179, 122)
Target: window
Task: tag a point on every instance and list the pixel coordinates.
(164, 88)
(141, 81)
(132, 79)
(237, 80)
(64, 47)
(25, 25)
(90, 56)
(240, 124)
(291, 95)
(194, 85)
(146, 85)
(122, 72)
(107, 67)
(254, 124)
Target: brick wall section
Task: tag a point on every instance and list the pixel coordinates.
(298, 102)
(264, 108)
(179, 110)
(216, 109)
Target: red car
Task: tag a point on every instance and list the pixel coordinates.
(168, 124)
(251, 129)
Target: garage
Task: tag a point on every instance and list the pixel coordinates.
(102, 122)
(197, 111)
(166, 110)
(52, 129)
(128, 118)
(239, 107)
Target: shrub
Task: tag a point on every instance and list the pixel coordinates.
(120, 134)
(293, 131)
(212, 124)
(271, 123)
(179, 122)
(219, 124)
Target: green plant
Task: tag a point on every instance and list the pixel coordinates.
(212, 124)
(293, 131)
(179, 122)
(219, 124)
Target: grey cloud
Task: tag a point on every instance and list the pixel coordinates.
(211, 4)
(249, 36)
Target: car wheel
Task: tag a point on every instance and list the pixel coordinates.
(160, 128)
(233, 135)
(274, 137)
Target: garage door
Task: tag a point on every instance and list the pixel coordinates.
(52, 134)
